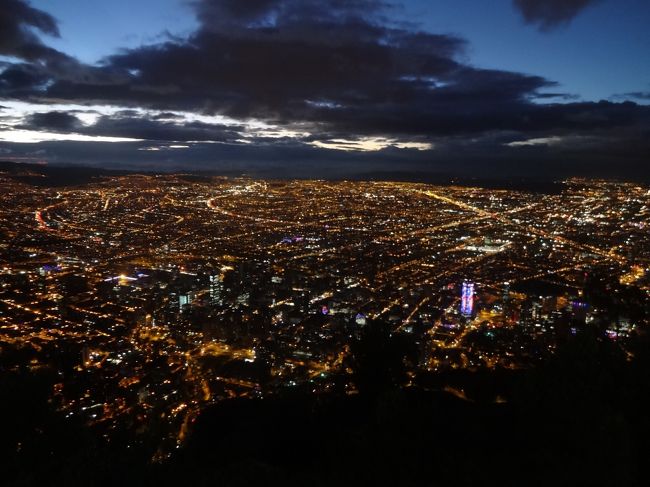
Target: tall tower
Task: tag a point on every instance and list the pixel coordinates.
(216, 289)
(467, 299)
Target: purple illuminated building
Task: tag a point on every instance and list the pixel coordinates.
(467, 299)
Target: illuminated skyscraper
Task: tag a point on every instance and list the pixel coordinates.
(216, 289)
(467, 299)
(183, 300)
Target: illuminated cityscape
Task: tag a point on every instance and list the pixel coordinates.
(324, 243)
(162, 296)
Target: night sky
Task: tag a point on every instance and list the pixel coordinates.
(342, 88)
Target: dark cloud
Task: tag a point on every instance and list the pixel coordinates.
(166, 116)
(40, 65)
(330, 66)
(310, 55)
(54, 121)
(17, 19)
(22, 80)
(132, 124)
(163, 131)
(339, 69)
(336, 65)
(548, 14)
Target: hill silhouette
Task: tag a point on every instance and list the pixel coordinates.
(580, 419)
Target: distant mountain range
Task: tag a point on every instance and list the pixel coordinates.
(47, 175)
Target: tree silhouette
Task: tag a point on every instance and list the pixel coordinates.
(379, 360)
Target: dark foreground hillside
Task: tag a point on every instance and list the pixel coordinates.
(582, 419)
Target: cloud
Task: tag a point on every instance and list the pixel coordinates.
(635, 95)
(38, 65)
(331, 80)
(369, 144)
(540, 141)
(56, 121)
(549, 14)
(324, 66)
(143, 125)
(20, 136)
(17, 19)
(327, 65)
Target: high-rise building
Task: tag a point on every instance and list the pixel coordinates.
(185, 299)
(467, 299)
(216, 289)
